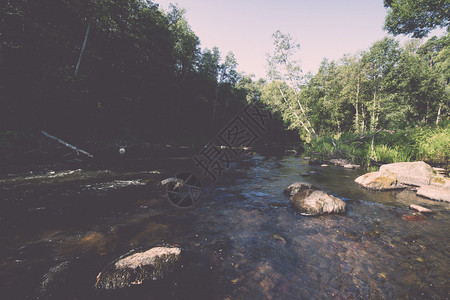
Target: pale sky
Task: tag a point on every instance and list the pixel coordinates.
(324, 28)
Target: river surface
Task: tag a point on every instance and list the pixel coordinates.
(60, 227)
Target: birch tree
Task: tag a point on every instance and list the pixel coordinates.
(285, 71)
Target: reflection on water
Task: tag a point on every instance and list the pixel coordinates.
(255, 245)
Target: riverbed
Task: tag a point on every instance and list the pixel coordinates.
(248, 243)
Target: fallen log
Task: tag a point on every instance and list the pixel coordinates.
(366, 136)
(66, 144)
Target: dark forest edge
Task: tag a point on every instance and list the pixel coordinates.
(110, 70)
(108, 74)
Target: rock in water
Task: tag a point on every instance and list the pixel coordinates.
(308, 200)
(379, 181)
(132, 269)
(414, 217)
(351, 166)
(312, 202)
(434, 193)
(56, 276)
(412, 173)
(339, 162)
(393, 176)
(420, 209)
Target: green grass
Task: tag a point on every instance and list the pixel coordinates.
(431, 144)
(385, 154)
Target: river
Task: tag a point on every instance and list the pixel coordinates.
(251, 244)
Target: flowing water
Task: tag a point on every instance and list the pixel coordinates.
(248, 242)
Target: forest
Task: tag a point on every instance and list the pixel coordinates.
(398, 92)
(135, 164)
(110, 70)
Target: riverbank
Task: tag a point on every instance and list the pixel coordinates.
(429, 144)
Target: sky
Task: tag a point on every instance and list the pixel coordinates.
(324, 28)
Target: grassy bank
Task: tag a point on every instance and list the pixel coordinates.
(430, 144)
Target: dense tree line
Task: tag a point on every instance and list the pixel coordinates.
(108, 68)
(387, 86)
(115, 68)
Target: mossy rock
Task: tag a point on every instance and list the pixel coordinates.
(379, 181)
(416, 173)
(441, 181)
(136, 267)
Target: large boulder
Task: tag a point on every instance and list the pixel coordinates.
(380, 181)
(434, 193)
(133, 269)
(412, 173)
(394, 176)
(307, 200)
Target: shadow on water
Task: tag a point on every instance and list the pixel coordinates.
(247, 243)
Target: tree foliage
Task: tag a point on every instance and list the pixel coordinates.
(142, 71)
(416, 17)
(385, 87)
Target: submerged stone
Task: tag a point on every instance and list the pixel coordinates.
(56, 276)
(414, 217)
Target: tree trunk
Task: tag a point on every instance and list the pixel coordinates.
(216, 96)
(82, 49)
(363, 117)
(357, 106)
(293, 111)
(438, 114)
(372, 146)
(373, 125)
(296, 93)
